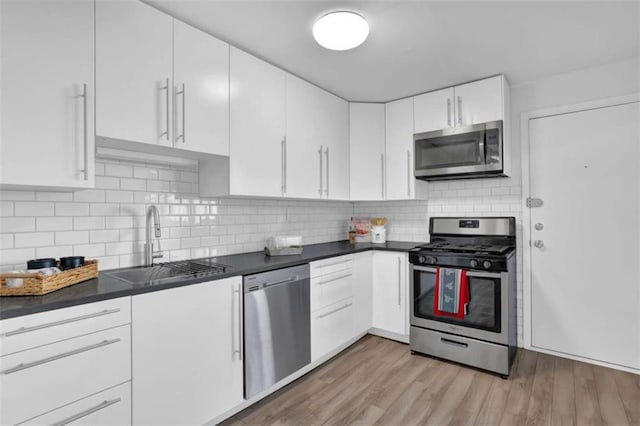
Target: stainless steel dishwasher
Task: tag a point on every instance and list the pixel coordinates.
(277, 329)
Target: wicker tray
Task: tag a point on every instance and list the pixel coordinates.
(35, 284)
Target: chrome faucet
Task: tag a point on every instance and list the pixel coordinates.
(149, 253)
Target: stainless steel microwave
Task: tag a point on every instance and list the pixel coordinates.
(460, 152)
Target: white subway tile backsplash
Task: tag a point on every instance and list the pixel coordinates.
(118, 170)
(104, 236)
(54, 196)
(54, 251)
(88, 223)
(17, 258)
(6, 241)
(17, 224)
(72, 237)
(72, 209)
(89, 196)
(145, 173)
(119, 196)
(33, 208)
(33, 239)
(118, 222)
(54, 224)
(89, 250)
(6, 208)
(106, 182)
(158, 186)
(105, 209)
(17, 195)
(127, 247)
(133, 184)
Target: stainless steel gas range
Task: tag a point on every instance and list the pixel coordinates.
(483, 333)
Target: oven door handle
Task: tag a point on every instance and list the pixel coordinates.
(472, 274)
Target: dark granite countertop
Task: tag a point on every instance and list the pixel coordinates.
(107, 287)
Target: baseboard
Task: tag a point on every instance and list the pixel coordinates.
(585, 360)
(404, 338)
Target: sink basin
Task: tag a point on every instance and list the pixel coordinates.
(169, 271)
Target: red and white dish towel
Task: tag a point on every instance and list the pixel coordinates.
(451, 296)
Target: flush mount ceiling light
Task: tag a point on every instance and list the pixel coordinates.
(340, 30)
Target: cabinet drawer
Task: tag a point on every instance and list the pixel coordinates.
(328, 266)
(331, 327)
(111, 407)
(329, 289)
(47, 377)
(29, 331)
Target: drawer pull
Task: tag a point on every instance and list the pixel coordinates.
(334, 279)
(85, 413)
(64, 321)
(21, 367)
(335, 310)
(324, 265)
(454, 343)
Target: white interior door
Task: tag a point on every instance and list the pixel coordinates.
(585, 279)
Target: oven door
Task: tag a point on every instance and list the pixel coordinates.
(487, 312)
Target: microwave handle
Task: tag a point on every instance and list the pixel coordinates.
(483, 148)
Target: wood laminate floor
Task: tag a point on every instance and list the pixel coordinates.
(378, 381)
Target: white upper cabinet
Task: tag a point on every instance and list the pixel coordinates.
(48, 94)
(133, 72)
(334, 133)
(317, 145)
(257, 130)
(201, 91)
(400, 182)
(303, 148)
(471, 103)
(366, 143)
(480, 101)
(434, 110)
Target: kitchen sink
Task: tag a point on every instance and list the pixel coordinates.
(169, 271)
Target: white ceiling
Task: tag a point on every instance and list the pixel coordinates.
(417, 46)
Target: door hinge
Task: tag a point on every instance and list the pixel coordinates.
(534, 202)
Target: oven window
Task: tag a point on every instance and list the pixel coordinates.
(448, 151)
(484, 305)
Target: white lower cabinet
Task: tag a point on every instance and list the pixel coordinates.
(332, 310)
(390, 292)
(362, 291)
(331, 327)
(187, 364)
(92, 353)
(110, 407)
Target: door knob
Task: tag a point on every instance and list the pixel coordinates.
(538, 243)
(539, 226)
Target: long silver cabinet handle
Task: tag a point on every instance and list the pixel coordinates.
(409, 172)
(334, 279)
(399, 280)
(64, 321)
(460, 110)
(321, 186)
(85, 413)
(166, 87)
(182, 134)
(335, 310)
(21, 367)
(382, 175)
(449, 112)
(284, 164)
(85, 139)
(324, 265)
(326, 190)
(239, 350)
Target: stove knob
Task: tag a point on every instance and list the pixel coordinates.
(473, 263)
(434, 260)
(486, 264)
(422, 259)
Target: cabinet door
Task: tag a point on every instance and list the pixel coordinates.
(257, 126)
(304, 150)
(399, 150)
(133, 72)
(362, 291)
(201, 90)
(434, 110)
(47, 125)
(390, 292)
(366, 145)
(335, 135)
(331, 327)
(186, 346)
(479, 101)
